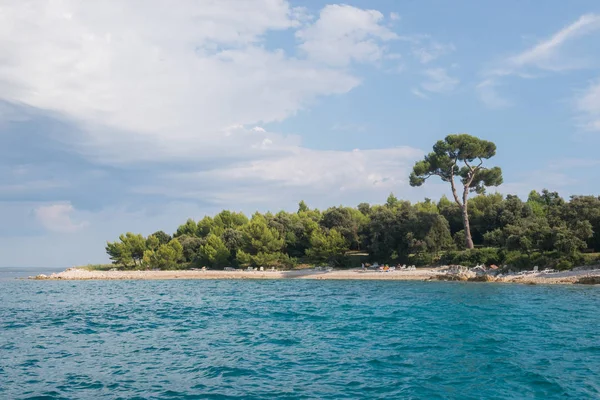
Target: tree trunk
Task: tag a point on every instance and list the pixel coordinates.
(468, 239)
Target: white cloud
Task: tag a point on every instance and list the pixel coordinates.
(487, 92)
(588, 106)
(164, 80)
(394, 16)
(194, 85)
(58, 218)
(343, 34)
(439, 81)
(418, 93)
(334, 170)
(563, 51)
(322, 177)
(431, 51)
(546, 54)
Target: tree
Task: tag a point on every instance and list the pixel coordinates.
(392, 201)
(163, 238)
(190, 245)
(347, 221)
(328, 247)
(168, 256)
(152, 242)
(386, 230)
(364, 208)
(227, 220)
(189, 228)
(263, 245)
(585, 208)
(259, 237)
(460, 156)
(302, 207)
(233, 240)
(130, 249)
(427, 206)
(429, 233)
(214, 252)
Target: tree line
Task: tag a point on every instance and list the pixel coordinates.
(545, 230)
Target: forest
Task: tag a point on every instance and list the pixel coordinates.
(545, 230)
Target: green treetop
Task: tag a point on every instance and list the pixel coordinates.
(460, 156)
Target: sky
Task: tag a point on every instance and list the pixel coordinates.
(135, 115)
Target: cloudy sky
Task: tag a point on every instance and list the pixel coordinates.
(135, 115)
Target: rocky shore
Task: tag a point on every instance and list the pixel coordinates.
(423, 274)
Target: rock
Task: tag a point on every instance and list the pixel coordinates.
(482, 278)
(589, 280)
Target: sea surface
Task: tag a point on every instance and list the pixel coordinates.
(297, 339)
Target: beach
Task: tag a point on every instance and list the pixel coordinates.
(421, 274)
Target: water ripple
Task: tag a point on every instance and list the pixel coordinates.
(297, 340)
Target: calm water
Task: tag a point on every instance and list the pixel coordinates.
(297, 340)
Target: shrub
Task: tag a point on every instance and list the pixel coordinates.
(590, 259)
(517, 260)
(421, 259)
(564, 265)
(473, 257)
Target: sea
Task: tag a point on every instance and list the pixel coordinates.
(296, 339)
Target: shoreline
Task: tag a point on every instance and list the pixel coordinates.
(420, 274)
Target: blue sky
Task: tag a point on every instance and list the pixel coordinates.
(133, 116)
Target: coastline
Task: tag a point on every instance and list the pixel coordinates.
(420, 274)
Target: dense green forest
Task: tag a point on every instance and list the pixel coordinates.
(546, 230)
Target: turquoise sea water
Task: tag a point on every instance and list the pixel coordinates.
(297, 339)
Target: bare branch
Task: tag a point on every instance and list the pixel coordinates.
(468, 165)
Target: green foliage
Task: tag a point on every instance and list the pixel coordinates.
(302, 207)
(546, 231)
(392, 201)
(189, 228)
(364, 208)
(260, 238)
(347, 221)
(167, 256)
(427, 206)
(205, 226)
(421, 259)
(152, 242)
(233, 240)
(460, 156)
(163, 238)
(96, 267)
(447, 156)
(564, 265)
(128, 251)
(214, 252)
(428, 233)
(327, 247)
(226, 220)
(472, 257)
(244, 259)
(191, 245)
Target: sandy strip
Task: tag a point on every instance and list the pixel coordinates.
(419, 274)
